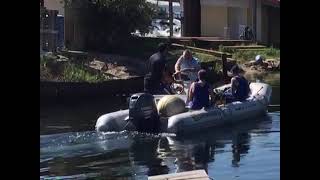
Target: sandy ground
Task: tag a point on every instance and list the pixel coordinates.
(116, 66)
(253, 70)
(120, 67)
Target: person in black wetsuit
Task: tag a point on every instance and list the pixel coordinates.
(156, 69)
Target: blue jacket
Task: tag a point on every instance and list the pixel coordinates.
(200, 96)
(242, 91)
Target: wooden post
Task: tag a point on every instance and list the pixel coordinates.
(224, 67)
(171, 17)
(41, 25)
(192, 18)
(254, 19)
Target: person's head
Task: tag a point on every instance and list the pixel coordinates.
(202, 75)
(162, 47)
(187, 54)
(236, 70)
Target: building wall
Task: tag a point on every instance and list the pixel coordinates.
(264, 25)
(223, 18)
(259, 21)
(249, 16)
(274, 26)
(223, 21)
(237, 20)
(55, 5)
(213, 20)
(268, 24)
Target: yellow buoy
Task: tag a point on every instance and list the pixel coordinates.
(170, 105)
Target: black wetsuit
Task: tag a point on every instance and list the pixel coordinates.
(152, 80)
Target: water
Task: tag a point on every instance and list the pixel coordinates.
(71, 149)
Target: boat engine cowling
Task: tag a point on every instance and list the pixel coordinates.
(143, 113)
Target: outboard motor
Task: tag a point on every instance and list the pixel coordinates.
(143, 113)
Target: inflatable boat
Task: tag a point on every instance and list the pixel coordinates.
(143, 109)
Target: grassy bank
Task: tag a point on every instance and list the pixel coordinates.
(244, 56)
(66, 71)
(247, 55)
(141, 48)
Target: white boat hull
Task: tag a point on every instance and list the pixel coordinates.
(197, 120)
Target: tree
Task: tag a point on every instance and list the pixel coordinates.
(113, 21)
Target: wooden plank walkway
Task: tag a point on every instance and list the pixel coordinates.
(188, 175)
(200, 50)
(246, 47)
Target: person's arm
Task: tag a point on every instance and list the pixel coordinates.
(163, 69)
(148, 66)
(190, 92)
(177, 65)
(197, 65)
(212, 96)
(234, 84)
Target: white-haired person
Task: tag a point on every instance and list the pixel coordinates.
(187, 66)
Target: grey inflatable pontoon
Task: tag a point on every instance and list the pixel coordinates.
(196, 120)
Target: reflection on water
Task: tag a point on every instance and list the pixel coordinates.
(71, 149)
(134, 155)
(272, 78)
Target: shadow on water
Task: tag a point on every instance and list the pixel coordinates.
(135, 155)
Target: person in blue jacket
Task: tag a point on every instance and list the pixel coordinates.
(239, 86)
(200, 93)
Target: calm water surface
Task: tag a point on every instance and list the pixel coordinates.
(71, 149)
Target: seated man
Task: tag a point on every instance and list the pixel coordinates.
(239, 86)
(199, 92)
(187, 67)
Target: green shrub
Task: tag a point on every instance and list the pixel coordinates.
(79, 73)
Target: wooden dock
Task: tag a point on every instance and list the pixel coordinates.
(194, 175)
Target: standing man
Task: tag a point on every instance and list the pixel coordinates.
(156, 68)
